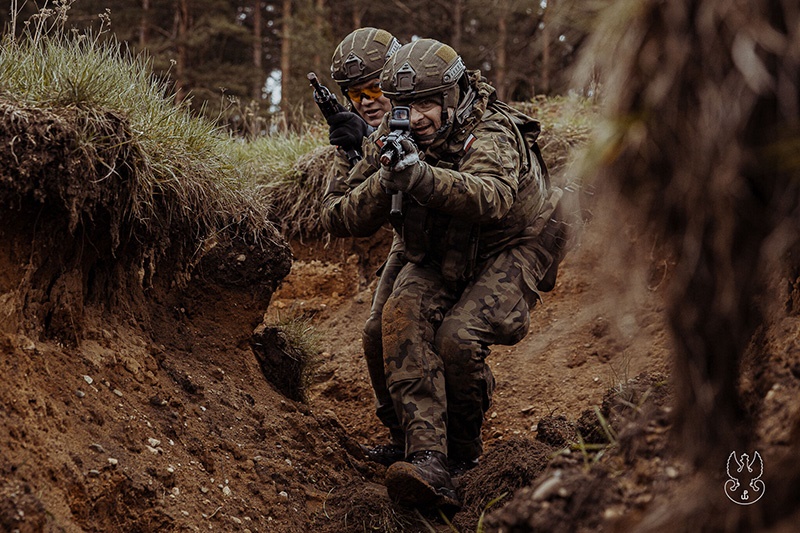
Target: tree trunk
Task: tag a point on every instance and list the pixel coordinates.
(258, 52)
(144, 25)
(458, 24)
(286, 55)
(319, 13)
(182, 24)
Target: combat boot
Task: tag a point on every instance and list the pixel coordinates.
(385, 454)
(460, 467)
(423, 481)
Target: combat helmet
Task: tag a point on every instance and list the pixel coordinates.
(425, 67)
(361, 56)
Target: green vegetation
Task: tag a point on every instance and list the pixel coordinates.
(81, 78)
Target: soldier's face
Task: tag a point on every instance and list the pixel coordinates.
(369, 101)
(426, 119)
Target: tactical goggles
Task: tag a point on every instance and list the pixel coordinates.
(373, 92)
(422, 105)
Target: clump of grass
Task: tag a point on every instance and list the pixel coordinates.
(272, 160)
(290, 170)
(365, 507)
(567, 124)
(287, 350)
(208, 179)
(297, 198)
(301, 334)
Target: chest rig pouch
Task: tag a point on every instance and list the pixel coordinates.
(441, 239)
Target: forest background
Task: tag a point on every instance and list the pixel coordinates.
(244, 62)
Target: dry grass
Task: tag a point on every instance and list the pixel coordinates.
(180, 170)
(567, 123)
(367, 508)
(297, 198)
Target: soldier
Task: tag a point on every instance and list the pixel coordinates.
(356, 66)
(475, 228)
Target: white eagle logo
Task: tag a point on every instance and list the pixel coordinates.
(745, 486)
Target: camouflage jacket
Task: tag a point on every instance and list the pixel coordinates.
(490, 191)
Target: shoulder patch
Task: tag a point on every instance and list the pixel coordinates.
(468, 142)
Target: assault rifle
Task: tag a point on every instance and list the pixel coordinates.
(329, 105)
(392, 151)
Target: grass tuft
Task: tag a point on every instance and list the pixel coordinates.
(184, 168)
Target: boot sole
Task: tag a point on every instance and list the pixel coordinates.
(406, 487)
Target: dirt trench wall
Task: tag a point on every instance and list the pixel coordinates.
(68, 240)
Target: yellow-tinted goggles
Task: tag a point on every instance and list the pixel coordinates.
(373, 92)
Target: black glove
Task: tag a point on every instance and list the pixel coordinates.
(347, 130)
(409, 174)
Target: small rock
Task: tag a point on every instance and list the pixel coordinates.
(118, 392)
(283, 494)
(241, 258)
(154, 442)
(671, 472)
(96, 447)
(226, 490)
(88, 379)
(112, 461)
(204, 490)
(93, 473)
(176, 491)
(547, 487)
(157, 401)
(153, 450)
(236, 520)
(185, 513)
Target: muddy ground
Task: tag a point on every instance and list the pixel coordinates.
(166, 422)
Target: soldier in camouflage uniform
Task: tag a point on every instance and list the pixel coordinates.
(356, 66)
(477, 207)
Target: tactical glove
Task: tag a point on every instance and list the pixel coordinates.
(347, 130)
(409, 174)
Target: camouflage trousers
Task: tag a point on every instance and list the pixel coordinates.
(372, 341)
(436, 338)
